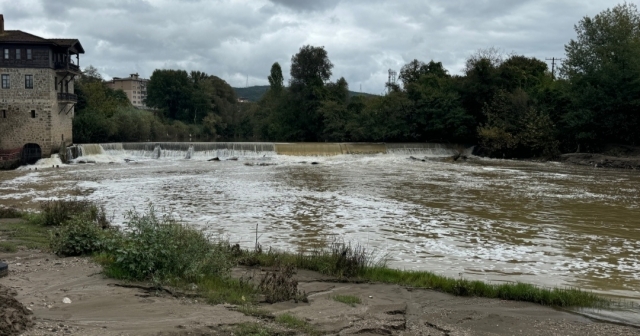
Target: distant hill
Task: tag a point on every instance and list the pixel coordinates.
(254, 93)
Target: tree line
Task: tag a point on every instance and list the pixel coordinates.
(511, 105)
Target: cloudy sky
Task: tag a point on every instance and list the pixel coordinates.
(234, 39)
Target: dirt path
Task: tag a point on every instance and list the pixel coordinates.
(100, 306)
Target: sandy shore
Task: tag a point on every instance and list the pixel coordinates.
(101, 306)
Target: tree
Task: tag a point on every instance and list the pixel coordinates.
(172, 92)
(91, 74)
(310, 67)
(603, 67)
(276, 80)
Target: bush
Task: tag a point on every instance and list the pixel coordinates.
(10, 213)
(56, 212)
(162, 249)
(77, 236)
(280, 286)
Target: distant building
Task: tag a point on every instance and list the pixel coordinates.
(36, 94)
(243, 100)
(135, 88)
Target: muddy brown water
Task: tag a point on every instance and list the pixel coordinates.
(495, 220)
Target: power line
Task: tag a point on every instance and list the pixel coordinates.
(553, 65)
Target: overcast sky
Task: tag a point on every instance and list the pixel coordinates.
(233, 39)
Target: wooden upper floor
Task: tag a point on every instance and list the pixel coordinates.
(19, 49)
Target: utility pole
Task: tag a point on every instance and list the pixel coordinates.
(392, 80)
(553, 65)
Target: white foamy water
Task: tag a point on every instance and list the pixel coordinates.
(494, 220)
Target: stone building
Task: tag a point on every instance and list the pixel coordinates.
(135, 88)
(36, 94)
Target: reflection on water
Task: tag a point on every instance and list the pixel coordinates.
(548, 224)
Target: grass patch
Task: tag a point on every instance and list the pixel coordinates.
(292, 322)
(569, 297)
(10, 213)
(57, 212)
(348, 299)
(253, 329)
(339, 259)
(353, 262)
(216, 290)
(252, 310)
(23, 233)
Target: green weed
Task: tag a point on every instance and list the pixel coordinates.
(161, 249)
(56, 212)
(569, 297)
(253, 329)
(10, 213)
(22, 233)
(295, 323)
(348, 299)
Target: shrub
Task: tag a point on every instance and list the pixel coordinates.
(162, 249)
(10, 213)
(77, 236)
(56, 212)
(281, 286)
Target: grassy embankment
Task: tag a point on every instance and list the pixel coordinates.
(167, 253)
(17, 231)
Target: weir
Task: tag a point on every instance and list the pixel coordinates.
(194, 150)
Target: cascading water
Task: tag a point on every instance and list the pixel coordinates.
(189, 153)
(69, 155)
(157, 152)
(114, 152)
(428, 149)
(90, 149)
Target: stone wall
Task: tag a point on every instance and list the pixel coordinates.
(19, 127)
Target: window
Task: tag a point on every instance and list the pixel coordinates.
(55, 83)
(5, 81)
(28, 81)
(4, 114)
(18, 54)
(29, 54)
(6, 54)
(33, 113)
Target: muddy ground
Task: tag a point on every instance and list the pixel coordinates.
(101, 306)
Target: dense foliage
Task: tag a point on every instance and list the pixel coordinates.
(513, 106)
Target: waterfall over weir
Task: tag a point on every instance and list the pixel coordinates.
(208, 150)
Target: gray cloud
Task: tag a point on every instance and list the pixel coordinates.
(234, 39)
(307, 5)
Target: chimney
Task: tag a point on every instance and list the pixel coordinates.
(1, 24)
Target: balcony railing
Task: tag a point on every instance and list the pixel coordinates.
(66, 66)
(67, 97)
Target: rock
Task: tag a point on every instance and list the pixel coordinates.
(602, 161)
(315, 163)
(232, 159)
(4, 269)
(214, 159)
(66, 300)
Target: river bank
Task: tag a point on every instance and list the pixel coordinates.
(102, 306)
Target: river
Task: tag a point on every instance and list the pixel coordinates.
(495, 220)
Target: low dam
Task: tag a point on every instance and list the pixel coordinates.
(193, 150)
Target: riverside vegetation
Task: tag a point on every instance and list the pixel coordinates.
(511, 105)
(164, 252)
